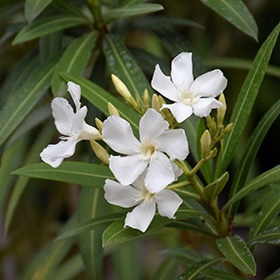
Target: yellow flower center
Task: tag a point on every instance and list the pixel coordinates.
(147, 150)
(187, 98)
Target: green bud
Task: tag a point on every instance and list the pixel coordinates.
(205, 143)
(100, 152)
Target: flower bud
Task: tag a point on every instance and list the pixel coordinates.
(155, 103)
(146, 98)
(205, 143)
(221, 111)
(99, 124)
(121, 87)
(100, 152)
(112, 109)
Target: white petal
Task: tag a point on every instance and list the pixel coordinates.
(63, 115)
(117, 133)
(164, 85)
(78, 120)
(124, 196)
(203, 106)
(159, 174)
(139, 183)
(177, 171)
(174, 143)
(75, 91)
(127, 169)
(54, 154)
(182, 70)
(210, 84)
(141, 216)
(151, 125)
(168, 203)
(180, 111)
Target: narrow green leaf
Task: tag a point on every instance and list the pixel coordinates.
(270, 236)
(257, 183)
(251, 150)
(166, 270)
(100, 98)
(274, 276)
(122, 64)
(213, 190)
(266, 216)
(69, 269)
(46, 261)
(73, 61)
(194, 272)
(236, 12)
(33, 155)
(245, 101)
(24, 99)
(116, 233)
(46, 26)
(188, 256)
(236, 251)
(34, 7)
(92, 204)
(81, 173)
(91, 224)
(132, 10)
(220, 275)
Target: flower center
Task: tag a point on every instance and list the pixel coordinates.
(147, 150)
(187, 98)
(147, 196)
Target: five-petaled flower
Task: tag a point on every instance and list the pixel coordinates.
(71, 125)
(155, 152)
(166, 201)
(190, 96)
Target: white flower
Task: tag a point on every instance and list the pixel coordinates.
(190, 96)
(166, 201)
(156, 142)
(71, 125)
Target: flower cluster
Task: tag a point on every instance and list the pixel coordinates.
(143, 168)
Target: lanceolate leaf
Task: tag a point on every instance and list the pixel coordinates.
(47, 25)
(245, 101)
(24, 99)
(266, 216)
(122, 64)
(194, 272)
(274, 276)
(270, 236)
(73, 61)
(81, 173)
(116, 233)
(259, 182)
(100, 98)
(236, 12)
(216, 274)
(252, 149)
(236, 251)
(132, 10)
(34, 7)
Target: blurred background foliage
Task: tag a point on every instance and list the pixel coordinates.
(45, 206)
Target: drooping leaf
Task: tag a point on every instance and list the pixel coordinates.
(270, 236)
(266, 216)
(236, 251)
(194, 272)
(116, 233)
(34, 7)
(245, 101)
(91, 224)
(24, 99)
(100, 98)
(262, 180)
(236, 12)
(81, 173)
(73, 61)
(252, 149)
(122, 64)
(46, 26)
(131, 10)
